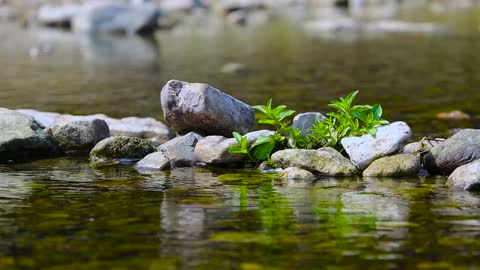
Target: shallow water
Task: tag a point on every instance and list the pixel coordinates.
(62, 214)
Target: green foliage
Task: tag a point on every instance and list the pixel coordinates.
(348, 120)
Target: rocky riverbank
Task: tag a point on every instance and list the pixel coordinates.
(204, 118)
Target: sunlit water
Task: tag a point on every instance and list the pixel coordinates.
(62, 214)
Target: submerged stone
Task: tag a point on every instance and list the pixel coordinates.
(402, 165)
(324, 161)
(180, 149)
(120, 149)
(365, 149)
(22, 138)
(79, 136)
(201, 108)
(460, 149)
(466, 177)
(292, 173)
(153, 162)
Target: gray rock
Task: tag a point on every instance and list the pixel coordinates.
(201, 108)
(180, 149)
(58, 16)
(324, 161)
(293, 173)
(466, 177)
(7, 14)
(422, 146)
(176, 6)
(305, 121)
(146, 128)
(460, 149)
(153, 162)
(214, 149)
(104, 17)
(402, 165)
(79, 136)
(365, 149)
(22, 138)
(119, 149)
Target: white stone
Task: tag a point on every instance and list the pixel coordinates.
(365, 149)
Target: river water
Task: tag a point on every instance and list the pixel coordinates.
(63, 214)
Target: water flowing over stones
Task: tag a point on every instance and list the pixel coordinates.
(460, 149)
(79, 136)
(201, 108)
(365, 149)
(119, 149)
(466, 177)
(21, 137)
(324, 161)
(214, 149)
(402, 165)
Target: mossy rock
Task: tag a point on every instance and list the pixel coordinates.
(120, 149)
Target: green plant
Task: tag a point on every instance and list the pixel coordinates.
(348, 120)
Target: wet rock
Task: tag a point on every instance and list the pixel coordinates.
(334, 25)
(305, 121)
(466, 177)
(324, 161)
(392, 26)
(292, 173)
(388, 140)
(180, 149)
(153, 162)
(402, 165)
(201, 108)
(214, 149)
(229, 6)
(22, 138)
(267, 167)
(460, 149)
(234, 68)
(176, 6)
(453, 115)
(147, 128)
(104, 17)
(422, 146)
(79, 136)
(119, 149)
(58, 16)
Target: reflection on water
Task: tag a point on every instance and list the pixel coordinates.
(215, 219)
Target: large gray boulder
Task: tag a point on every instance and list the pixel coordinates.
(201, 108)
(466, 177)
(214, 149)
(119, 149)
(365, 149)
(460, 149)
(105, 17)
(324, 161)
(180, 149)
(22, 138)
(79, 136)
(402, 165)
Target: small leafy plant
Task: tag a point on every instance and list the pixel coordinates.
(348, 120)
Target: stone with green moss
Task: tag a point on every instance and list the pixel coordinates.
(324, 161)
(293, 173)
(120, 149)
(402, 165)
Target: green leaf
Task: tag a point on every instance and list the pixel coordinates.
(269, 103)
(284, 114)
(262, 140)
(267, 121)
(244, 142)
(377, 111)
(361, 108)
(260, 108)
(350, 97)
(235, 149)
(237, 137)
(264, 150)
(360, 115)
(372, 131)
